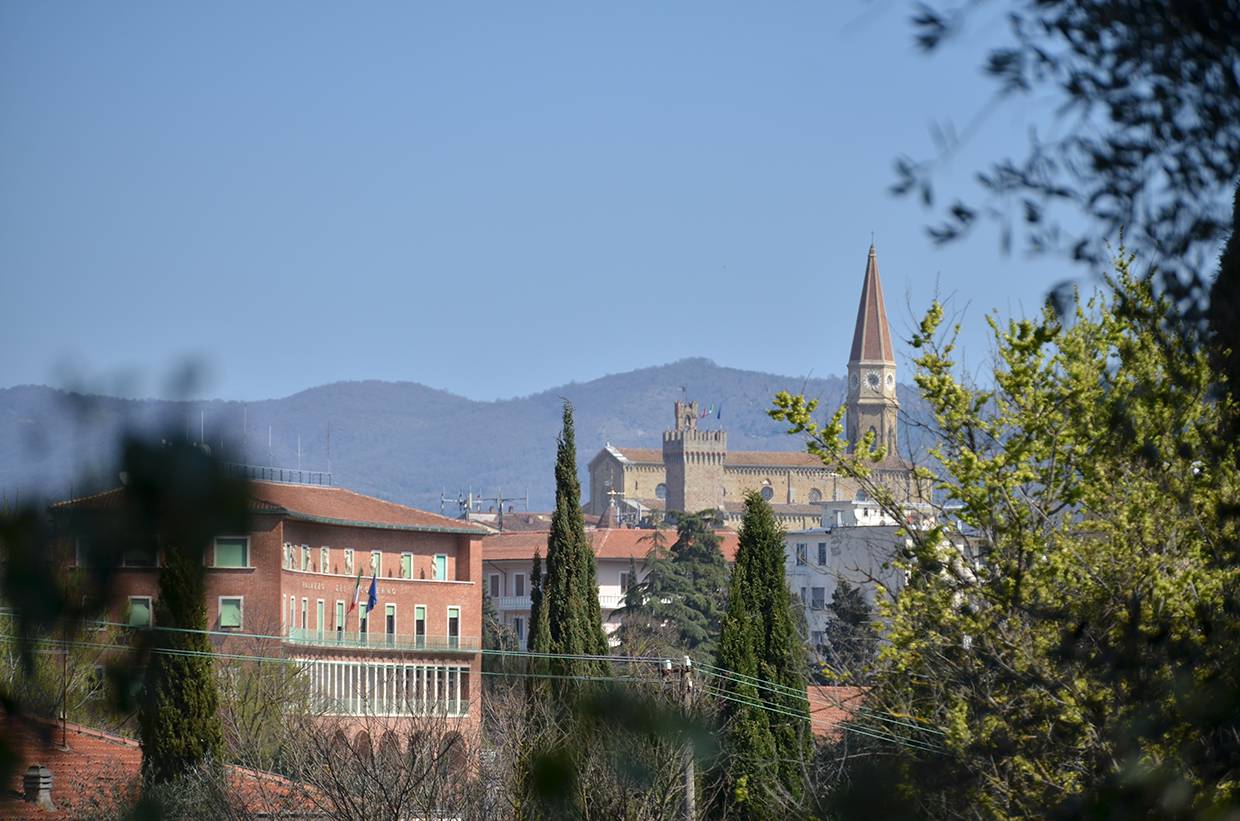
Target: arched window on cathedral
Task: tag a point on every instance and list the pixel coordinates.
(660, 491)
(815, 496)
(862, 496)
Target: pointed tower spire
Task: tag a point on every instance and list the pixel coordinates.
(872, 336)
(871, 403)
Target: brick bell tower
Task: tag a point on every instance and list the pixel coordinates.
(871, 402)
(694, 461)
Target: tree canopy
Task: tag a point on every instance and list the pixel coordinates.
(1147, 134)
(1067, 641)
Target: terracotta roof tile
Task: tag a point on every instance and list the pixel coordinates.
(645, 455)
(97, 772)
(318, 503)
(830, 706)
(341, 505)
(608, 543)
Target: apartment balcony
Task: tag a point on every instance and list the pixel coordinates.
(606, 601)
(353, 640)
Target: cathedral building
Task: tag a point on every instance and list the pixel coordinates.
(694, 470)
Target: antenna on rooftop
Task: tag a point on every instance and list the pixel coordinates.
(500, 499)
(299, 451)
(329, 446)
(270, 457)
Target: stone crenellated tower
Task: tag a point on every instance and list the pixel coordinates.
(694, 462)
(871, 400)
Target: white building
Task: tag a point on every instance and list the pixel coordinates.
(507, 559)
(856, 542)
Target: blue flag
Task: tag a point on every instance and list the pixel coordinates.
(372, 598)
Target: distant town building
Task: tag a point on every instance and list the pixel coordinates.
(292, 577)
(694, 469)
(855, 541)
(508, 557)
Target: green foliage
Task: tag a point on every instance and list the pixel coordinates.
(495, 634)
(179, 712)
(851, 640)
(679, 605)
(760, 771)
(539, 636)
(1146, 138)
(570, 596)
(1071, 630)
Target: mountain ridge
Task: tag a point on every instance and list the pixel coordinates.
(399, 440)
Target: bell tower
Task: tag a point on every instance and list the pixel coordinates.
(694, 462)
(871, 402)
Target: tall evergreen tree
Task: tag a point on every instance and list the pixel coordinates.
(179, 713)
(570, 596)
(763, 749)
(495, 634)
(684, 591)
(539, 638)
(850, 634)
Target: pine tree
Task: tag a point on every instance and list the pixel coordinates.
(851, 637)
(685, 589)
(570, 596)
(179, 714)
(763, 749)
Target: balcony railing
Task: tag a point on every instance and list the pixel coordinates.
(382, 641)
(608, 601)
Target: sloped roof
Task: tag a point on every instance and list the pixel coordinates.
(607, 543)
(96, 772)
(319, 503)
(644, 455)
(872, 336)
(830, 706)
(336, 505)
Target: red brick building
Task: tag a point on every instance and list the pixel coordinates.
(292, 577)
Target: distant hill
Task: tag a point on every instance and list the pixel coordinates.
(401, 441)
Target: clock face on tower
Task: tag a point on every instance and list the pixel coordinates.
(873, 380)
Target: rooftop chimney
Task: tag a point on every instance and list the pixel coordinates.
(38, 785)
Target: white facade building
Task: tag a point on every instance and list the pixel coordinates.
(855, 542)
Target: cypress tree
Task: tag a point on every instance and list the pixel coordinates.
(763, 749)
(570, 596)
(539, 638)
(179, 714)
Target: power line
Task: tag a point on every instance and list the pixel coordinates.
(715, 691)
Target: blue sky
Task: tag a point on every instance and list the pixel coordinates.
(488, 198)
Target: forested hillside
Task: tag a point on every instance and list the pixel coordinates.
(402, 441)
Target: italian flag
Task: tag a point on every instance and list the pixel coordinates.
(357, 592)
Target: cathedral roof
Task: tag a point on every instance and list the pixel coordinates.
(872, 337)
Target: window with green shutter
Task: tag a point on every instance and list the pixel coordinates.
(232, 551)
(139, 611)
(441, 567)
(230, 612)
(406, 565)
